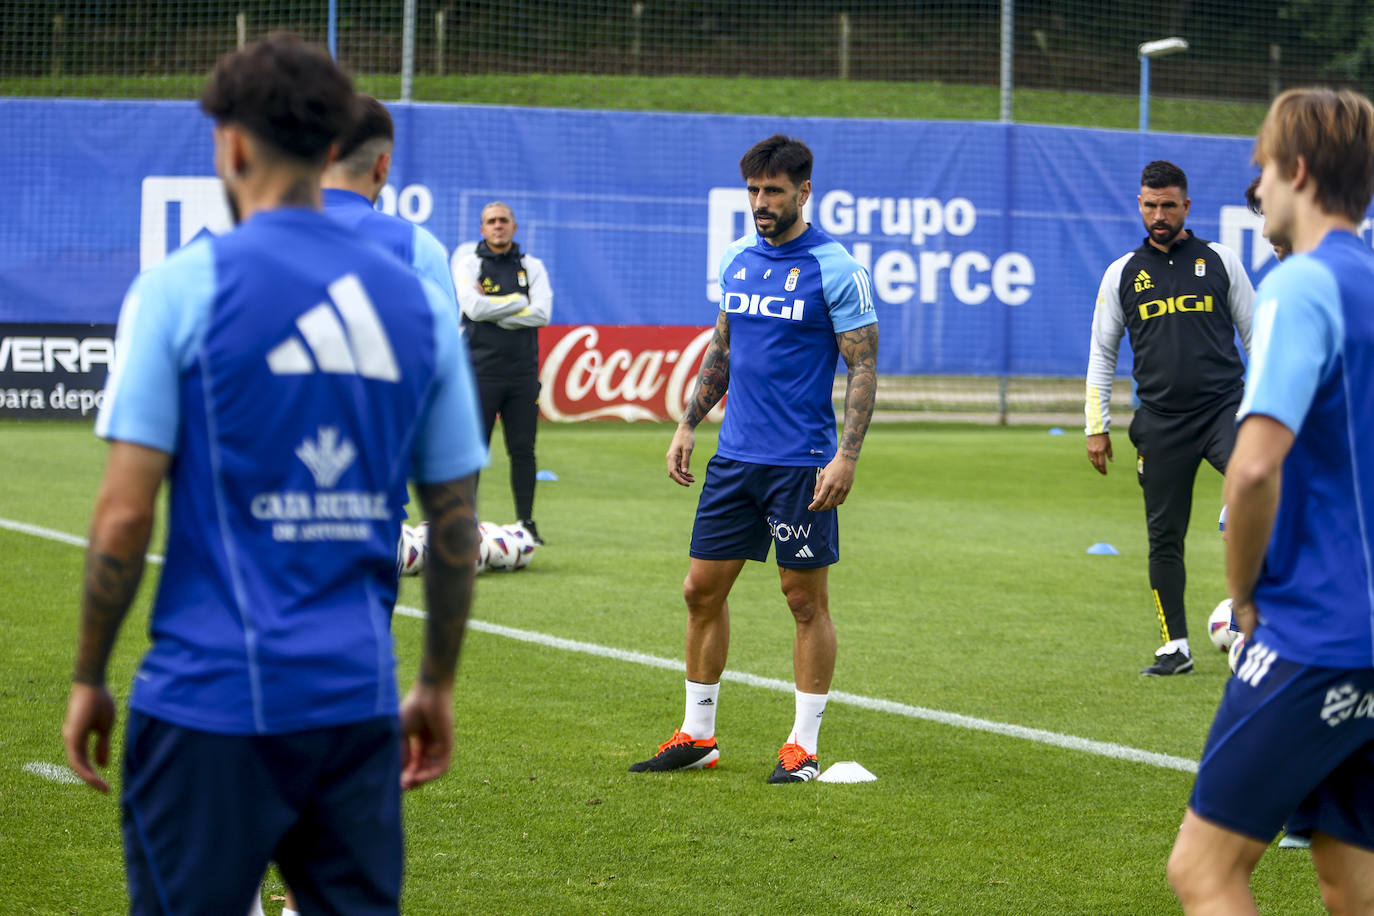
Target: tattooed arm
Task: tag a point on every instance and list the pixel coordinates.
(859, 348)
(711, 384)
(120, 528)
(427, 712)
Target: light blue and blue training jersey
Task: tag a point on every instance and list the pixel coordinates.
(298, 375)
(413, 244)
(785, 305)
(1312, 369)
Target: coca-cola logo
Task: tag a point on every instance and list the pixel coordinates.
(592, 372)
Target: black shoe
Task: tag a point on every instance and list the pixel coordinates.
(528, 525)
(795, 765)
(681, 752)
(1176, 662)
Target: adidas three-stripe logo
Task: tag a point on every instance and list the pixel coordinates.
(805, 553)
(356, 346)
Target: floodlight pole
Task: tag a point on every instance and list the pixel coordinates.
(1148, 51)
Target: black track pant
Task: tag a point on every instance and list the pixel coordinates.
(1169, 449)
(516, 400)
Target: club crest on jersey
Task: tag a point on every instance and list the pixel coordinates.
(792, 276)
(1199, 268)
(766, 306)
(522, 280)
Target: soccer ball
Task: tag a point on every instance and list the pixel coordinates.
(483, 552)
(1219, 626)
(501, 549)
(1237, 650)
(411, 550)
(524, 544)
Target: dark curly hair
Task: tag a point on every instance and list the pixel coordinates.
(285, 92)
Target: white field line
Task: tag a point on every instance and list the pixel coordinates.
(1071, 742)
(1041, 736)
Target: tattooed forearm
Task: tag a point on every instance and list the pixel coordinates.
(859, 348)
(451, 508)
(714, 377)
(108, 588)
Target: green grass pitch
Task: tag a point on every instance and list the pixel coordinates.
(963, 588)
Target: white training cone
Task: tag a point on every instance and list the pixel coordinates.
(846, 771)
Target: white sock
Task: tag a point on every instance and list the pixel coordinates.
(255, 907)
(1174, 645)
(699, 721)
(289, 912)
(806, 727)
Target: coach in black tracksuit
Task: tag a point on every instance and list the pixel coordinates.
(1182, 299)
(505, 297)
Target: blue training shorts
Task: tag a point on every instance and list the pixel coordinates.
(1292, 744)
(746, 507)
(203, 813)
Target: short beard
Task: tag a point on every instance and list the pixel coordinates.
(780, 225)
(1173, 235)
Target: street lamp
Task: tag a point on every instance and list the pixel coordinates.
(1149, 50)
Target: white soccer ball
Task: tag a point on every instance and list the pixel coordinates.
(483, 552)
(411, 549)
(524, 544)
(501, 549)
(1219, 626)
(1237, 650)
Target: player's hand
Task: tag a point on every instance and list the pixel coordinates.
(426, 734)
(1247, 616)
(1100, 451)
(680, 455)
(90, 712)
(833, 484)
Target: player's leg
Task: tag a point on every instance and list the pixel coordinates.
(728, 530)
(806, 543)
(705, 590)
(200, 819)
(1346, 875)
(1167, 460)
(344, 854)
(519, 420)
(1339, 817)
(1220, 436)
(1210, 866)
(490, 393)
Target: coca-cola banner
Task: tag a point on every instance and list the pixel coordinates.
(636, 372)
(985, 241)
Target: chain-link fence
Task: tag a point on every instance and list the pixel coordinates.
(1071, 62)
(1238, 49)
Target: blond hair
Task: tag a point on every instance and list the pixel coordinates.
(1333, 132)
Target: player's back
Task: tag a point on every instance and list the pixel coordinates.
(413, 244)
(308, 357)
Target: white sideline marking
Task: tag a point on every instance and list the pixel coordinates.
(1041, 736)
(60, 536)
(53, 772)
(1071, 742)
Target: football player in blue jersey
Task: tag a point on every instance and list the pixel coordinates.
(1300, 548)
(286, 378)
(354, 180)
(793, 302)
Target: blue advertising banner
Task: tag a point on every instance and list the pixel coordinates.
(986, 241)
